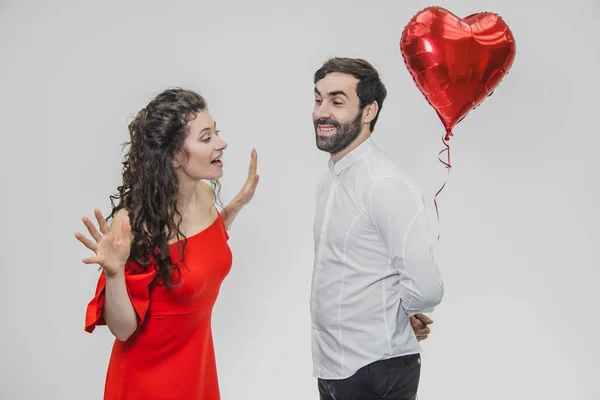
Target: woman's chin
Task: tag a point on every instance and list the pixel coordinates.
(215, 176)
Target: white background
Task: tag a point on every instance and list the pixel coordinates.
(519, 215)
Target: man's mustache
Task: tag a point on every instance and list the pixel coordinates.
(326, 121)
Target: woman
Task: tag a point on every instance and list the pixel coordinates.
(165, 254)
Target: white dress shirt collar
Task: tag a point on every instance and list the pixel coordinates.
(352, 157)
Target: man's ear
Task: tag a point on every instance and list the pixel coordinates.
(370, 112)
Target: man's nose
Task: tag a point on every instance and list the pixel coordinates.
(322, 111)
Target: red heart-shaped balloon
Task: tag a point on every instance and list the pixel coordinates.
(456, 63)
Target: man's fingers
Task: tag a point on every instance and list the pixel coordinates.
(424, 319)
(418, 325)
(424, 331)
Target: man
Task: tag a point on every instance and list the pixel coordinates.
(374, 269)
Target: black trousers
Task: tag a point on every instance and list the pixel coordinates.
(393, 379)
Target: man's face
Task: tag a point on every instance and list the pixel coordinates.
(336, 116)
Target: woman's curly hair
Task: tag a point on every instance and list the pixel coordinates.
(150, 186)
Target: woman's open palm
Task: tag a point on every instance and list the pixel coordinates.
(113, 244)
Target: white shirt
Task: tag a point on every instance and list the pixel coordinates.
(374, 265)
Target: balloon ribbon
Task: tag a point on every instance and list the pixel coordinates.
(445, 139)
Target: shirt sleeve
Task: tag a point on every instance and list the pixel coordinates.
(398, 213)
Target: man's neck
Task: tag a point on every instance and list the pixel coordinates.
(360, 139)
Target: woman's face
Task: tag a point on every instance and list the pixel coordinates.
(203, 148)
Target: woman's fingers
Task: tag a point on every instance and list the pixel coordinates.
(101, 221)
(90, 260)
(125, 229)
(86, 242)
(253, 165)
(92, 229)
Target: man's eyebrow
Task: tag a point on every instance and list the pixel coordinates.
(333, 93)
(338, 92)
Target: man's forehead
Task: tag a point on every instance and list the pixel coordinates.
(337, 81)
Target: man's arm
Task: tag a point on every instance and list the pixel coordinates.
(398, 212)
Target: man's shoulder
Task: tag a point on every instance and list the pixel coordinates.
(383, 168)
(323, 181)
(324, 178)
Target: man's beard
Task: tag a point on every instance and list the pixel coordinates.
(344, 135)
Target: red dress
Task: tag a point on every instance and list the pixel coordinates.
(171, 354)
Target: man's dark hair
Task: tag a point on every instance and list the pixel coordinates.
(369, 88)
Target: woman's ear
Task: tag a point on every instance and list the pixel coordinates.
(177, 161)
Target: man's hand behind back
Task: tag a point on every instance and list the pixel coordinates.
(419, 324)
